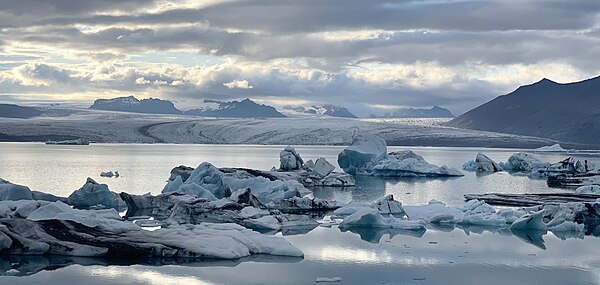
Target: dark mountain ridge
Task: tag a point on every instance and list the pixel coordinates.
(565, 112)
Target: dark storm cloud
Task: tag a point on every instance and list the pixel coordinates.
(287, 16)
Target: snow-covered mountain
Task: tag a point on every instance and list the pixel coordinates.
(564, 112)
(235, 109)
(433, 112)
(132, 104)
(16, 111)
(328, 110)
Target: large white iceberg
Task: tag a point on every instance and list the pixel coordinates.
(360, 157)
(367, 156)
(92, 194)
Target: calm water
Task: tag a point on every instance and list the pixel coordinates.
(435, 256)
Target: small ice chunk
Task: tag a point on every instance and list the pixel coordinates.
(328, 279)
(552, 148)
(252, 213)
(469, 165)
(323, 167)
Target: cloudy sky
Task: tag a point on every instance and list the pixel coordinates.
(371, 56)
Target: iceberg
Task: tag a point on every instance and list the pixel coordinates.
(92, 194)
(385, 205)
(367, 156)
(207, 181)
(486, 164)
(409, 164)
(551, 148)
(290, 159)
(524, 162)
(109, 174)
(10, 191)
(362, 154)
(13, 192)
(322, 167)
(470, 165)
(79, 141)
(56, 228)
(372, 218)
(328, 279)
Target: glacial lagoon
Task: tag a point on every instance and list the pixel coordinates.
(437, 255)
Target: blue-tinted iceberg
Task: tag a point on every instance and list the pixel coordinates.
(95, 195)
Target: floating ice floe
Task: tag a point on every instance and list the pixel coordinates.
(95, 195)
(13, 192)
(551, 148)
(79, 141)
(328, 279)
(109, 174)
(103, 233)
(554, 217)
(367, 156)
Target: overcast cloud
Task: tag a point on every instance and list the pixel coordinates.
(367, 55)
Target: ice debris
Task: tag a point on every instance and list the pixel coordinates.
(109, 174)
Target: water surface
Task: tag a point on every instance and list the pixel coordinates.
(438, 255)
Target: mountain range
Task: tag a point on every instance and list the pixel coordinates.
(233, 109)
(433, 112)
(236, 109)
(327, 109)
(564, 112)
(132, 104)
